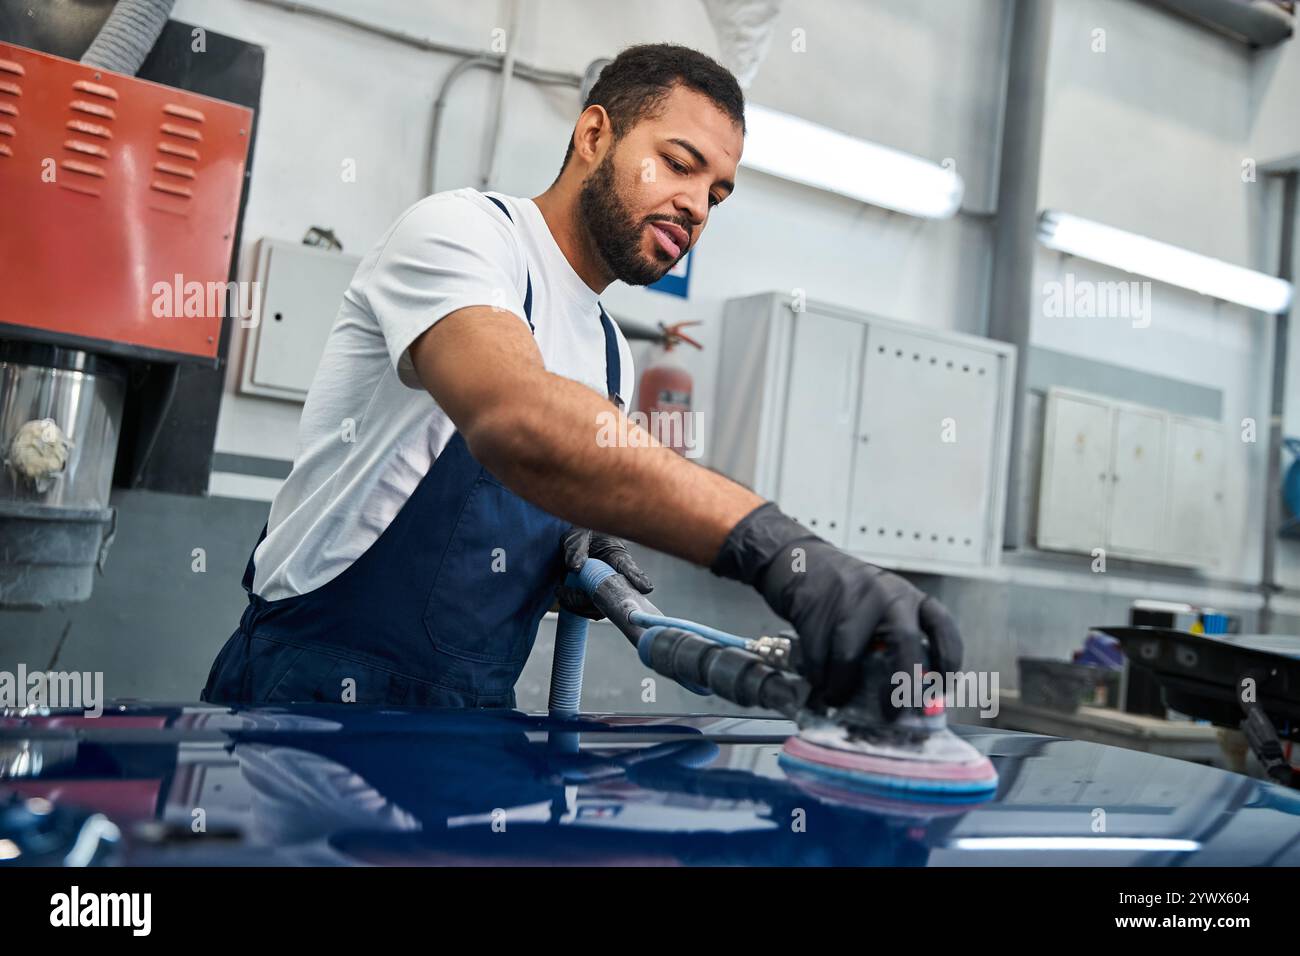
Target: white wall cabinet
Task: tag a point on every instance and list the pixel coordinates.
(298, 290)
(1194, 510)
(887, 439)
(817, 459)
(1137, 474)
(1075, 487)
(1135, 481)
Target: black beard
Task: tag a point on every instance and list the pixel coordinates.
(614, 234)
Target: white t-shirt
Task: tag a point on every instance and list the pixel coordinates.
(369, 431)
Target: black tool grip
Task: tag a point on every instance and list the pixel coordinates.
(729, 672)
(618, 601)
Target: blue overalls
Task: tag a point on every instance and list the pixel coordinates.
(440, 611)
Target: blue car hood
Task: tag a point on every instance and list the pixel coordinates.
(150, 784)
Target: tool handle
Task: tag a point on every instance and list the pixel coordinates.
(729, 672)
(701, 665)
(614, 596)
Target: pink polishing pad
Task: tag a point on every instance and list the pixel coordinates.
(974, 770)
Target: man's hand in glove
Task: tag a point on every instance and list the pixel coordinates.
(578, 545)
(841, 607)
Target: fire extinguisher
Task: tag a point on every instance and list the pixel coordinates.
(664, 395)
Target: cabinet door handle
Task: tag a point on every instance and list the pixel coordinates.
(847, 395)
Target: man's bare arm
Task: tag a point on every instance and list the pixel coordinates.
(537, 432)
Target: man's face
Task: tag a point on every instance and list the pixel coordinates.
(647, 202)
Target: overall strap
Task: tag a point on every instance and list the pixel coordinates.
(249, 569)
(613, 364)
(528, 294)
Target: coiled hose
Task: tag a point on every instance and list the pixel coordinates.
(127, 36)
(571, 644)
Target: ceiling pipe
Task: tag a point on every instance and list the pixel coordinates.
(493, 160)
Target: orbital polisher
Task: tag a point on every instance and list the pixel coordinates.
(867, 745)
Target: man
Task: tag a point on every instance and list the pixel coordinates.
(449, 452)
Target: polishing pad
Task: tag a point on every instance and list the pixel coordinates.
(939, 764)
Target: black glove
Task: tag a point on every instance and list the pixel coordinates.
(578, 544)
(842, 608)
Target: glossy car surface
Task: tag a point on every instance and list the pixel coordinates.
(346, 784)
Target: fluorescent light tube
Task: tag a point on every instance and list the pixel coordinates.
(795, 149)
(1159, 260)
(1127, 844)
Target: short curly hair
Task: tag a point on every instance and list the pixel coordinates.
(632, 86)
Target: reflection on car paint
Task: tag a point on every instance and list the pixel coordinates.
(345, 784)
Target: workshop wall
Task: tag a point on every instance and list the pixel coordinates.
(375, 113)
(1149, 134)
(1137, 133)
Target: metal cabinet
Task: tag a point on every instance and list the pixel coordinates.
(1135, 481)
(887, 439)
(1137, 474)
(817, 453)
(296, 295)
(1194, 508)
(1075, 485)
(927, 425)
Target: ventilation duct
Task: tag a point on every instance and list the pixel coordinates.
(1258, 23)
(744, 29)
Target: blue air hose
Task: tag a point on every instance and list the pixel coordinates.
(571, 643)
(566, 670)
(712, 633)
(571, 639)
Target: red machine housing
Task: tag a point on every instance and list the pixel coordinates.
(118, 205)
